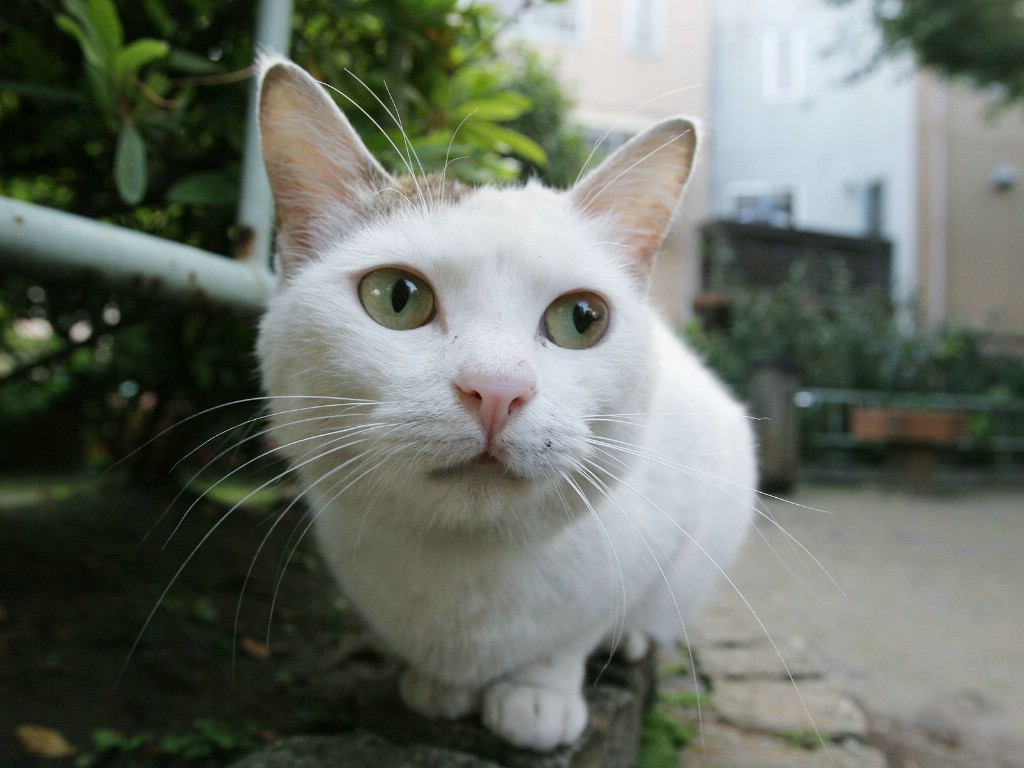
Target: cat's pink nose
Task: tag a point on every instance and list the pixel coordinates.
(494, 398)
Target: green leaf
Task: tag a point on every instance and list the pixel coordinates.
(52, 93)
(500, 137)
(190, 63)
(107, 738)
(130, 59)
(205, 188)
(93, 55)
(103, 92)
(130, 172)
(505, 106)
(204, 609)
(105, 21)
(159, 16)
(218, 732)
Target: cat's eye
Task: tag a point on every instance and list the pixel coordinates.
(576, 320)
(396, 299)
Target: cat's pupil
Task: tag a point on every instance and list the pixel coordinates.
(583, 316)
(400, 294)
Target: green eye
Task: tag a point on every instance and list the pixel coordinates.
(576, 320)
(396, 299)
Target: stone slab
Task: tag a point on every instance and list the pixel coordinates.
(782, 708)
(617, 695)
(610, 740)
(724, 623)
(720, 746)
(357, 750)
(790, 660)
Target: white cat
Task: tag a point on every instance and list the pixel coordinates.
(509, 458)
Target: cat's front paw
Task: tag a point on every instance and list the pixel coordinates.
(534, 717)
(436, 700)
(632, 645)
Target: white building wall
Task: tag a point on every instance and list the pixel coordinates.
(785, 116)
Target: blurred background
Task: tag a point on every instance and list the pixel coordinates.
(849, 255)
(855, 222)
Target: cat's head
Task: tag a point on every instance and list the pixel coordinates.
(472, 346)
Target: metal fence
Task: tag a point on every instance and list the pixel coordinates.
(762, 256)
(994, 425)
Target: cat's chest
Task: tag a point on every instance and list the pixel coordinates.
(428, 599)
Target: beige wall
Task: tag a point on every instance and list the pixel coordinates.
(971, 255)
(614, 87)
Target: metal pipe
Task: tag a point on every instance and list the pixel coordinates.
(40, 241)
(273, 34)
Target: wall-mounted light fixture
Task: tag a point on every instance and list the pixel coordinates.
(1004, 177)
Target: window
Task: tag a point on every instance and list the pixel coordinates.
(644, 26)
(874, 208)
(783, 66)
(604, 141)
(755, 202)
(554, 22)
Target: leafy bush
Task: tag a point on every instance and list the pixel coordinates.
(848, 338)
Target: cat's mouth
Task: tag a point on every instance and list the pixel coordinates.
(483, 465)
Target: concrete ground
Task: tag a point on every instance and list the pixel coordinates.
(926, 627)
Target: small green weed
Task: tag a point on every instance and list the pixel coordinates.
(108, 745)
(803, 739)
(662, 737)
(674, 669)
(207, 739)
(205, 610)
(686, 699)
(211, 738)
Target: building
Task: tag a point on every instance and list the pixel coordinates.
(628, 64)
(970, 209)
(795, 137)
(800, 139)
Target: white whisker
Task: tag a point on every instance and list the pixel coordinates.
(406, 159)
(217, 524)
(614, 127)
(617, 445)
(596, 195)
(448, 152)
(396, 116)
(621, 612)
(316, 514)
(337, 434)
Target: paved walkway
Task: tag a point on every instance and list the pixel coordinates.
(927, 634)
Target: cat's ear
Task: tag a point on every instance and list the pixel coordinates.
(320, 171)
(637, 189)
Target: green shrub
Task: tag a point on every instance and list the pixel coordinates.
(850, 338)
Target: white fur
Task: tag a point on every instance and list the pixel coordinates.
(494, 582)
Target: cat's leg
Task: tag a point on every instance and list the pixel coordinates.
(436, 700)
(540, 706)
(632, 645)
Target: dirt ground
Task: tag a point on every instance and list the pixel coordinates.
(78, 579)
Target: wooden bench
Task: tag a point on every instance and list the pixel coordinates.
(912, 436)
(914, 428)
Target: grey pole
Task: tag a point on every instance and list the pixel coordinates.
(273, 34)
